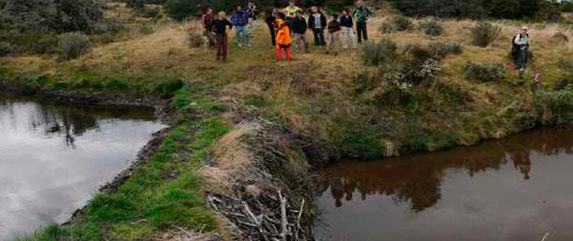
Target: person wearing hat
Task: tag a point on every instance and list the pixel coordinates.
(520, 50)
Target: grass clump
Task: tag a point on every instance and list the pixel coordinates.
(484, 72)
(72, 45)
(376, 54)
(397, 24)
(443, 49)
(484, 33)
(432, 28)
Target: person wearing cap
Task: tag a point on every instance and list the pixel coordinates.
(521, 47)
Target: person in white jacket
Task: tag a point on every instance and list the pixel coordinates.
(521, 47)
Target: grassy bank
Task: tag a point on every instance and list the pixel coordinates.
(316, 107)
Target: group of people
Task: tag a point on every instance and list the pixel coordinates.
(288, 27)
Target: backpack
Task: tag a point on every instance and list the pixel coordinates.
(514, 47)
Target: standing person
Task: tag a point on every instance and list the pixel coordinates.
(240, 19)
(299, 28)
(270, 20)
(333, 38)
(219, 28)
(291, 11)
(520, 50)
(317, 23)
(347, 24)
(206, 20)
(252, 16)
(361, 15)
(284, 41)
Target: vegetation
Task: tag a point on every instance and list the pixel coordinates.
(485, 33)
(72, 45)
(432, 28)
(405, 91)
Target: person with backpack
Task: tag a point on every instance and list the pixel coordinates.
(299, 28)
(240, 19)
(270, 20)
(219, 29)
(347, 23)
(333, 38)
(361, 15)
(317, 23)
(520, 50)
(206, 20)
(284, 41)
(290, 11)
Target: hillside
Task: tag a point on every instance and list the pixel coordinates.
(313, 110)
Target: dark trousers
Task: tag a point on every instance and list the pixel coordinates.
(521, 60)
(319, 37)
(273, 35)
(222, 43)
(362, 31)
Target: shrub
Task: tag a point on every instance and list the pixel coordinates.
(397, 24)
(182, 9)
(196, 37)
(484, 34)
(379, 53)
(485, 72)
(564, 83)
(72, 45)
(443, 49)
(432, 28)
(402, 23)
(8, 48)
(560, 104)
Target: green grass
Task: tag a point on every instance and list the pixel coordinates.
(151, 200)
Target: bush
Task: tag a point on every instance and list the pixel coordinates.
(484, 73)
(72, 45)
(8, 48)
(397, 24)
(484, 34)
(196, 37)
(564, 83)
(432, 28)
(442, 49)
(559, 103)
(379, 53)
(402, 23)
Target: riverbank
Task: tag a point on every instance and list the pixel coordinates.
(244, 130)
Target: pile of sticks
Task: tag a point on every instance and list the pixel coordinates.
(268, 216)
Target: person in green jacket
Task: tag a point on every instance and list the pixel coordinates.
(361, 15)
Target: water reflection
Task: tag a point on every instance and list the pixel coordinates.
(535, 167)
(54, 157)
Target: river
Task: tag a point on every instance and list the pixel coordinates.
(54, 157)
(519, 188)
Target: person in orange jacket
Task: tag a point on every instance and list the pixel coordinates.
(283, 38)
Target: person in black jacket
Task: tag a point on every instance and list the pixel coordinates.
(299, 29)
(317, 23)
(347, 23)
(219, 28)
(270, 20)
(333, 35)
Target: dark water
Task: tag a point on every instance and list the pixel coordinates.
(520, 188)
(54, 157)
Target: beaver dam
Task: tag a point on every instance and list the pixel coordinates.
(513, 189)
(55, 157)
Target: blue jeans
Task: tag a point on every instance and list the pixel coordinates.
(242, 36)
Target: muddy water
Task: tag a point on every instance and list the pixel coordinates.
(517, 189)
(54, 157)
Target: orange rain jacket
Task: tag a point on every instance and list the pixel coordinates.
(283, 34)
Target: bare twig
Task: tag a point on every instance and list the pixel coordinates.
(284, 217)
